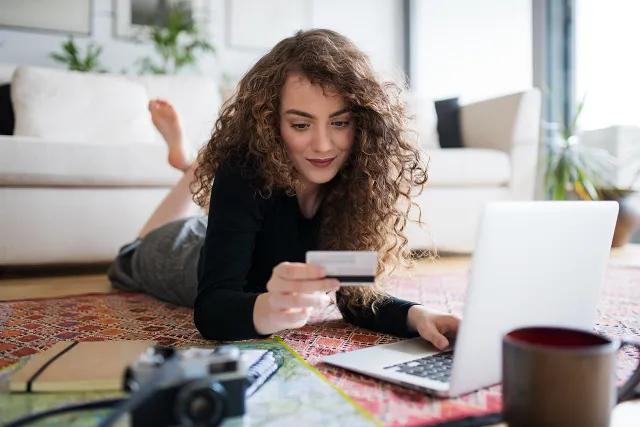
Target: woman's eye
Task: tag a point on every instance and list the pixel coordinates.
(341, 123)
(300, 126)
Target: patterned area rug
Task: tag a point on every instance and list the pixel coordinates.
(27, 327)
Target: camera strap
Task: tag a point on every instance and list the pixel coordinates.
(49, 362)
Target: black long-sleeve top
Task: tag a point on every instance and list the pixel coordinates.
(247, 236)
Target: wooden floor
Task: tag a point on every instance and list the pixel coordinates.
(31, 283)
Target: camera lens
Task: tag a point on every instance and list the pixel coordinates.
(201, 403)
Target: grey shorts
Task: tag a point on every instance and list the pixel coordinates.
(163, 263)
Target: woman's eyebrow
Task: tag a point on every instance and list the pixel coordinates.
(311, 116)
(299, 113)
(339, 112)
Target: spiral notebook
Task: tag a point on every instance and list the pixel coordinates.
(99, 366)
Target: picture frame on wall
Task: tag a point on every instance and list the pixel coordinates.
(62, 16)
(134, 18)
(275, 19)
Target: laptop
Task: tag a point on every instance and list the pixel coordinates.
(535, 263)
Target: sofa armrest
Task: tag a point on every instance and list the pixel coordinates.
(511, 124)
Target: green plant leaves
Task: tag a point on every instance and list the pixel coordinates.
(178, 43)
(571, 167)
(73, 59)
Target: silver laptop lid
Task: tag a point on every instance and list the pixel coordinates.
(535, 263)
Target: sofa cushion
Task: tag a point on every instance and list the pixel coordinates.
(468, 167)
(81, 107)
(28, 161)
(196, 99)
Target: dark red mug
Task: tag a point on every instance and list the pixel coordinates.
(561, 377)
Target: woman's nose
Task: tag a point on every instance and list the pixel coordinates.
(321, 140)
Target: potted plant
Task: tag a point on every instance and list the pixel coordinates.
(629, 214)
(178, 41)
(576, 172)
(75, 61)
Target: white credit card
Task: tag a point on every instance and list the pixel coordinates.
(351, 268)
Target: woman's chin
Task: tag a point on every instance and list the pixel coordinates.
(320, 177)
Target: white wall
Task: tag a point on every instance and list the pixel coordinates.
(25, 47)
(374, 25)
(471, 49)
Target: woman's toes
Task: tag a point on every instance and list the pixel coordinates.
(166, 120)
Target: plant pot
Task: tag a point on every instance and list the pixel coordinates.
(628, 215)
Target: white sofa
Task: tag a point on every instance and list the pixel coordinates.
(85, 167)
(498, 162)
(70, 194)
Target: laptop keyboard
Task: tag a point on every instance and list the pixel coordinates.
(435, 367)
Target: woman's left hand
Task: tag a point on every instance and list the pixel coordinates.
(433, 326)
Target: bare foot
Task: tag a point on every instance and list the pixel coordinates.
(166, 120)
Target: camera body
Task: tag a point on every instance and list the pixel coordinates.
(193, 386)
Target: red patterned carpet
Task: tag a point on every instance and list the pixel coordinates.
(30, 326)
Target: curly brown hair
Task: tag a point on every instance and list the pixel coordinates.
(366, 206)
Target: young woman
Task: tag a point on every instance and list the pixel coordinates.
(311, 153)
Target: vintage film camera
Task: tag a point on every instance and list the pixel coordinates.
(190, 387)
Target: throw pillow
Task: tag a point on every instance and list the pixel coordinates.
(72, 106)
(7, 120)
(448, 112)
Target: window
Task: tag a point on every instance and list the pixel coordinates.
(607, 62)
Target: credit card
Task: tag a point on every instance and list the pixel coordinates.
(351, 268)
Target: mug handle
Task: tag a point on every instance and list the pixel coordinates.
(627, 390)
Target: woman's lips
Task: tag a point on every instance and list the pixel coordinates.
(321, 163)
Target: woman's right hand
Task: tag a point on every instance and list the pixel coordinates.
(293, 291)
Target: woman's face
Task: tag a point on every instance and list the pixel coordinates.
(317, 129)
